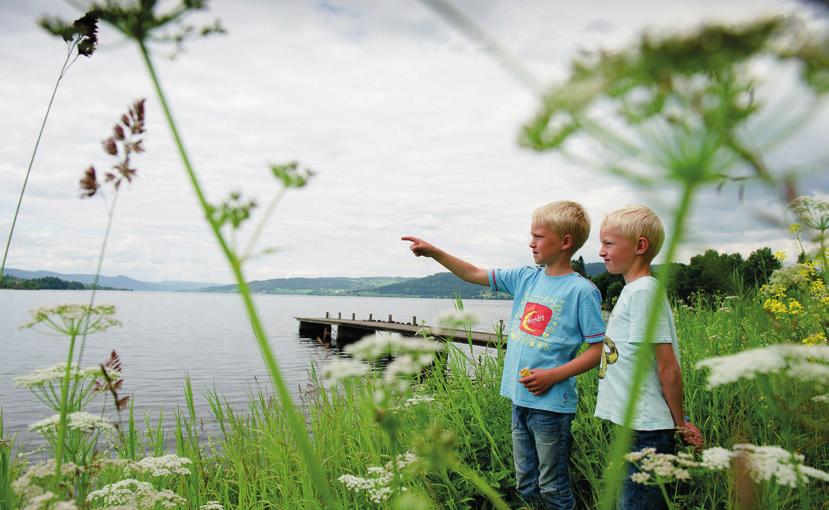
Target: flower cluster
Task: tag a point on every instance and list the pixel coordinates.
(134, 494)
(212, 505)
(340, 370)
(377, 484)
(457, 319)
(26, 487)
(73, 319)
(43, 377)
(765, 463)
(81, 421)
(804, 362)
(163, 466)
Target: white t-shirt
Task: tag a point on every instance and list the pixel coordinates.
(625, 333)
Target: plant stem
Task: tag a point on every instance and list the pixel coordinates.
(621, 443)
(64, 393)
(466, 472)
(32, 160)
(111, 215)
(295, 419)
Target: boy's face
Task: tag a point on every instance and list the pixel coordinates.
(546, 244)
(618, 253)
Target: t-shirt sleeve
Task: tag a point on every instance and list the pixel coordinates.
(506, 280)
(590, 317)
(640, 305)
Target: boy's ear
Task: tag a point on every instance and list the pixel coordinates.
(566, 242)
(642, 245)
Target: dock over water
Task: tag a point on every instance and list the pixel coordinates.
(351, 330)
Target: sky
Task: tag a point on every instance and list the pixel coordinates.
(410, 128)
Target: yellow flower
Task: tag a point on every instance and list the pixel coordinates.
(815, 339)
(780, 255)
(775, 306)
(795, 308)
(794, 228)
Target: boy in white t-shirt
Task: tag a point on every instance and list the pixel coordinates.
(630, 239)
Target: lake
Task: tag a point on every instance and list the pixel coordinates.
(167, 335)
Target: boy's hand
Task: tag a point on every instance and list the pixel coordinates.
(540, 380)
(691, 435)
(420, 247)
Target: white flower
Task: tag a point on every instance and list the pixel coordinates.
(821, 398)
(640, 477)
(212, 505)
(73, 319)
(163, 466)
(457, 319)
(342, 369)
(81, 421)
(418, 399)
(130, 492)
(804, 362)
(55, 373)
(388, 344)
(41, 501)
(377, 484)
(637, 456)
(771, 462)
(423, 332)
(716, 458)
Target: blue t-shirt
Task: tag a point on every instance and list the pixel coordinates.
(551, 317)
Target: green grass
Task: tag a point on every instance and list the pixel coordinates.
(252, 462)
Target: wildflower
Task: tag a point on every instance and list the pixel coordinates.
(341, 369)
(40, 501)
(423, 332)
(821, 398)
(795, 308)
(47, 376)
(418, 399)
(798, 361)
(377, 484)
(457, 319)
(771, 462)
(716, 458)
(812, 212)
(640, 477)
(73, 319)
(382, 344)
(163, 466)
(794, 228)
(212, 505)
(81, 421)
(780, 255)
(134, 494)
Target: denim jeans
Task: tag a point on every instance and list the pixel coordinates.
(541, 444)
(637, 496)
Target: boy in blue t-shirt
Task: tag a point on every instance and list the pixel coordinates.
(554, 312)
(630, 239)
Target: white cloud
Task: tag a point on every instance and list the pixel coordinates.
(410, 127)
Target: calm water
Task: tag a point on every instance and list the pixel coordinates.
(166, 336)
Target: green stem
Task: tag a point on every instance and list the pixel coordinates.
(32, 160)
(613, 473)
(110, 214)
(64, 393)
(295, 419)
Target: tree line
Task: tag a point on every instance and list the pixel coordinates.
(706, 276)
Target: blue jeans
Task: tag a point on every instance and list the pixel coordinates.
(541, 444)
(637, 496)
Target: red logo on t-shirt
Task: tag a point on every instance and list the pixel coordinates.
(535, 319)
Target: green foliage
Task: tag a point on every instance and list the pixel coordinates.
(47, 282)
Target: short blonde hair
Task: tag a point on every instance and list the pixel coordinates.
(635, 221)
(565, 217)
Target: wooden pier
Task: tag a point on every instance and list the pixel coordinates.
(351, 330)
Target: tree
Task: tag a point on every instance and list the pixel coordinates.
(578, 266)
(759, 266)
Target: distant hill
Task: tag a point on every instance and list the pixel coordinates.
(118, 282)
(439, 285)
(326, 286)
(594, 268)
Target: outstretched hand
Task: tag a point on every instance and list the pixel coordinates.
(420, 247)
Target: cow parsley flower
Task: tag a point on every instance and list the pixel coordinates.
(212, 505)
(804, 362)
(341, 369)
(457, 319)
(135, 494)
(81, 421)
(72, 319)
(163, 466)
(54, 374)
(377, 483)
(771, 462)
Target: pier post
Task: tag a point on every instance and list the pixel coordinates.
(390, 318)
(353, 316)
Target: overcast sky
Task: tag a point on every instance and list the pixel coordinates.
(410, 127)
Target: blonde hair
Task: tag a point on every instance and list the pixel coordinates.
(565, 217)
(635, 221)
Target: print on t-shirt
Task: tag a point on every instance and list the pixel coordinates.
(537, 320)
